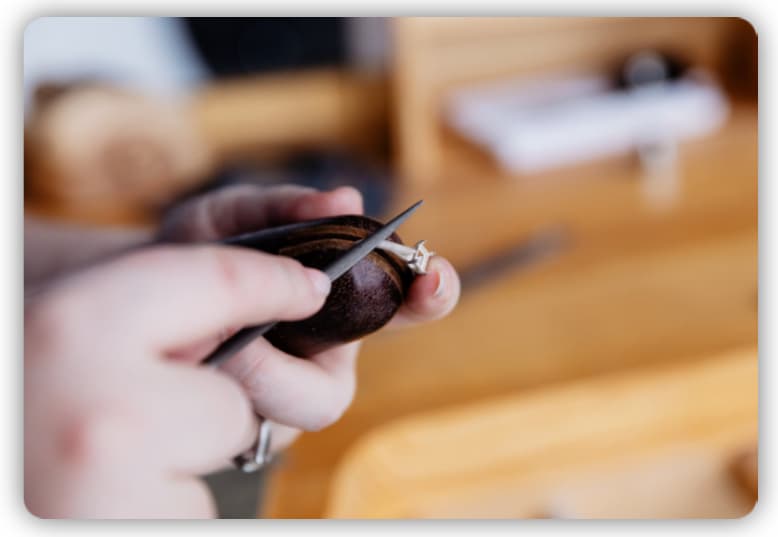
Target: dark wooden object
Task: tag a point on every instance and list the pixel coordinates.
(361, 301)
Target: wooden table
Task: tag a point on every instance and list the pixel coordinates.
(643, 283)
(655, 442)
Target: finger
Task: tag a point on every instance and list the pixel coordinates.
(172, 296)
(196, 418)
(431, 296)
(159, 496)
(197, 351)
(180, 497)
(141, 493)
(342, 200)
(244, 208)
(282, 437)
(306, 394)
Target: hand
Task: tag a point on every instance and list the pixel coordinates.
(273, 379)
(53, 247)
(117, 422)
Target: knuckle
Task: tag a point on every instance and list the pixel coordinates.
(252, 375)
(226, 270)
(92, 438)
(287, 271)
(307, 298)
(293, 290)
(78, 442)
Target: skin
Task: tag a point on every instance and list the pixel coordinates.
(119, 420)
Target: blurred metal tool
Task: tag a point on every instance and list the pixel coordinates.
(337, 268)
(530, 251)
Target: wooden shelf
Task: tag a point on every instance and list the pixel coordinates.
(434, 55)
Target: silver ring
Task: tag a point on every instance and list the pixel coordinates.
(417, 257)
(258, 455)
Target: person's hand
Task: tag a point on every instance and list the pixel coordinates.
(299, 394)
(53, 247)
(117, 420)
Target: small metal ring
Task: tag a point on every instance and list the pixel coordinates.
(417, 258)
(258, 455)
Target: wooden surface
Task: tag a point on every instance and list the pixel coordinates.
(649, 443)
(287, 112)
(658, 272)
(643, 283)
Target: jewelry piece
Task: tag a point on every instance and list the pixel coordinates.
(417, 257)
(258, 454)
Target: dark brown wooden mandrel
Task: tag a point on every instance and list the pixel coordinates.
(360, 302)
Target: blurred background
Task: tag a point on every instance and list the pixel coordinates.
(594, 180)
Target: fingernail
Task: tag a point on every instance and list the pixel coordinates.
(441, 285)
(319, 280)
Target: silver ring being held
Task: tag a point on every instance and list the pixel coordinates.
(258, 455)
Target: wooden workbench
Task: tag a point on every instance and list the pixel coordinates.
(642, 283)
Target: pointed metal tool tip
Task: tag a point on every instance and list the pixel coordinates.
(407, 212)
(362, 248)
(395, 222)
(336, 269)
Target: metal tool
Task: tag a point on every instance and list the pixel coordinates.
(259, 454)
(537, 247)
(336, 269)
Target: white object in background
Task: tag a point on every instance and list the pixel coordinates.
(661, 183)
(149, 54)
(486, 114)
(542, 125)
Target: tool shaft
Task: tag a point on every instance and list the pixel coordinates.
(238, 341)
